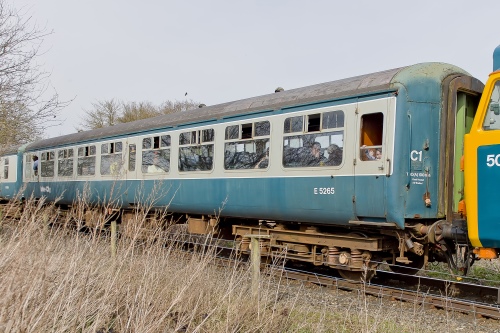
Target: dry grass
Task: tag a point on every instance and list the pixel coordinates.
(60, 280)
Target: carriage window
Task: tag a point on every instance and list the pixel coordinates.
(146, 143)
(165, 141)
(196, 154)
(313, 122)
(333, 119)
(6, 168)
(246, 131)
(232, 132)
(65, 162)
(293, 124)
(86, 161)
(111, 158)
(47, 164)
(321, 149)
(207, 135)
(185, 138)
(131, 157)
(372, 128)
(28, 166)
(250, 153)
(262, 128)
(156, 158)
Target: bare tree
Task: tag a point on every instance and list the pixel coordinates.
(135, 111)
(26, 106)
(102, 114)
(177, 106)
(109, 113)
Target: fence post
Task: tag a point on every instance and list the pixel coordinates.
(113, 238)
(255, 261)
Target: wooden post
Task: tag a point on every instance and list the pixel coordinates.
(255, 261)
(113, 239)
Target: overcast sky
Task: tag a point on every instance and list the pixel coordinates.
(220, 51)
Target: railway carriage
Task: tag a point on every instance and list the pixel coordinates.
(10, 171)
(347, 173)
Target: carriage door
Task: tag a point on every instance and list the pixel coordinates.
(372, 160)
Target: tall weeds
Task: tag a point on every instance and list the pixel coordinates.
(57, 279)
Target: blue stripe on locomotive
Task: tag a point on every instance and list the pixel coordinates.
(487, 197)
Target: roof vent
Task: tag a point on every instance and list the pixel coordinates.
(201, 105)
(279, 89)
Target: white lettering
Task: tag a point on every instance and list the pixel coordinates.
(493, 160)
(416, 155)
(324, 190)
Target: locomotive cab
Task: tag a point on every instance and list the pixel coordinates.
(482, 170)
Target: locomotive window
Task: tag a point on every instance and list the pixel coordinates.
(104, 148)
(293, 124)
(372, 128)
(232, 132)
(313, 122)
(65, 163)
(492, 119)
(47, 164)
(6, 161)
(321, 149)
(333, 119)
(262, 128)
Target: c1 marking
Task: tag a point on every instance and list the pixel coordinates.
(492, 160)
(416, 155)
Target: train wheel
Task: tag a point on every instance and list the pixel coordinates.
(417, 262)
(363, 276)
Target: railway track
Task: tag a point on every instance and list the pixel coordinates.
(477, 300)
(435, 293)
